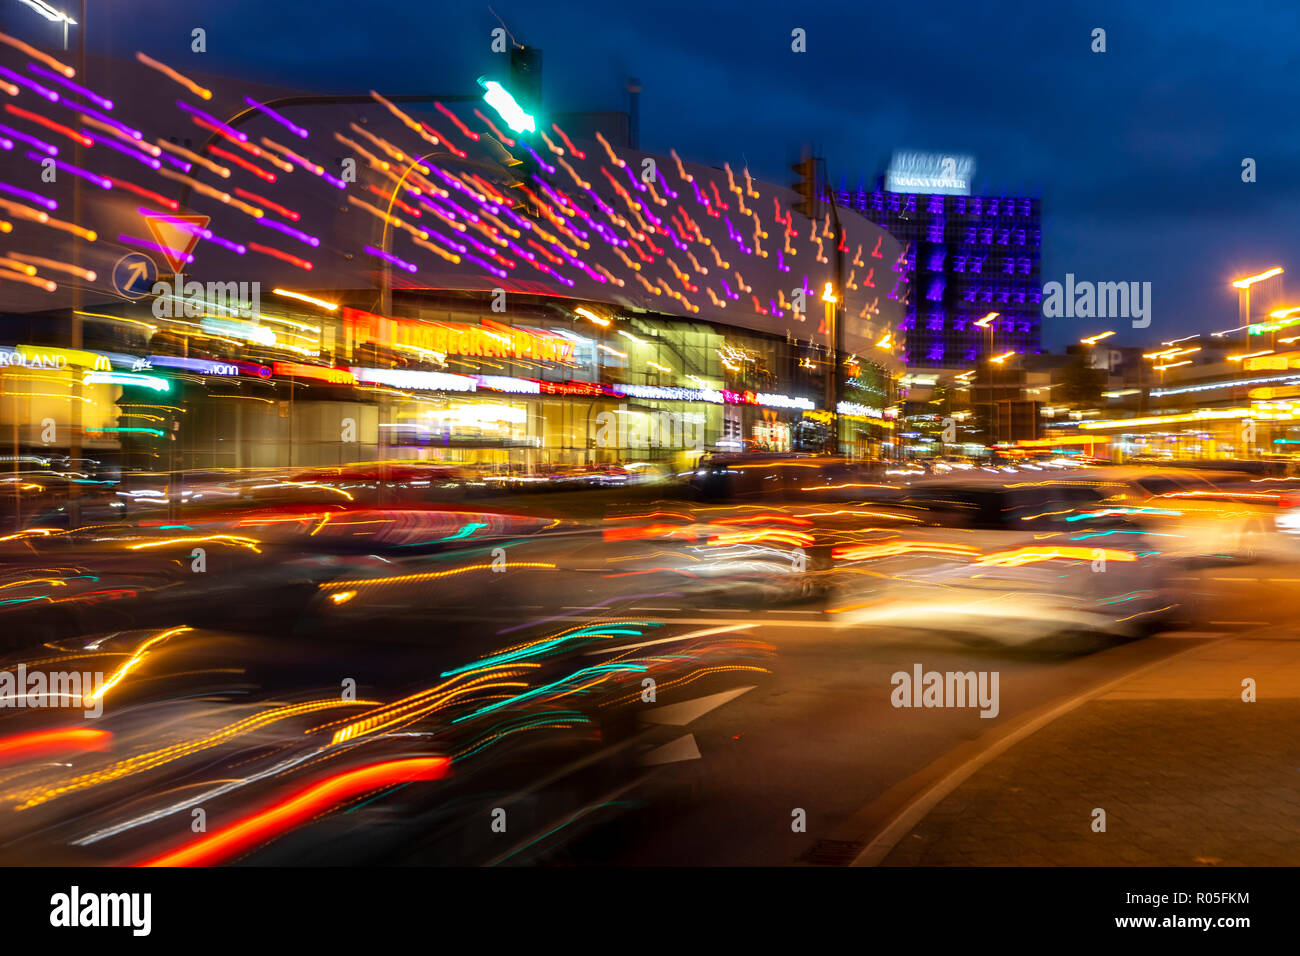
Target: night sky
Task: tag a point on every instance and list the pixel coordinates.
(1136, 151)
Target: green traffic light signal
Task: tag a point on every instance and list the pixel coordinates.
(514, 115)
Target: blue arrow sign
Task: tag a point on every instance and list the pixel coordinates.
(134, 275)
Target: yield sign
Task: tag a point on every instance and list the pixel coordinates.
(177, 235)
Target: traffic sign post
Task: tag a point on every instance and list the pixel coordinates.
(134, 275)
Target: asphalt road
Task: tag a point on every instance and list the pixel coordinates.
(821, 735)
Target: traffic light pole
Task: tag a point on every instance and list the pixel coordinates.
(836, 329)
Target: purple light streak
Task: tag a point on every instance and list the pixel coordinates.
(104, 118)
(48, 148)
(30, 84)
(293, 233)
(389, 257)
(272, 114)
(112, 144)
(146, 244)
(37, 198)
(209, 118)
(95, 178)
(103, 102)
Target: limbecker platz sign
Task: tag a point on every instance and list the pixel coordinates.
(446, 338)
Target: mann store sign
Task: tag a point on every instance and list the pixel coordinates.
(446, 338)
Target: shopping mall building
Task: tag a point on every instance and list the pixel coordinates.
(255, 280)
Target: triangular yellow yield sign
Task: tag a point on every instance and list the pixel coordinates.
(177, 235)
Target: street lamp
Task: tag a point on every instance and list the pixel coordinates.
(1094, 339)
(54, 16)
(1243, 286)
(986, 324)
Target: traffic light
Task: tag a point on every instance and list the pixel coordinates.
(806, 187)
(507, 107)
(526, 77)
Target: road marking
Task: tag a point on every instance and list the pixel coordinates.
(683, 748)
(683, 713)
(916, 810)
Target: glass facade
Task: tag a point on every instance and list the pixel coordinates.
(534, 386)
(968, 256)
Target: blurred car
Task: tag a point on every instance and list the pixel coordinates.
(786, 478)
(992, 559)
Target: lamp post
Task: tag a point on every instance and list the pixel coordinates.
(1243, 286)
(835, 316)
(986, 324)
(997, 360)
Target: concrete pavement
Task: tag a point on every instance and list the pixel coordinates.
(1186, 771)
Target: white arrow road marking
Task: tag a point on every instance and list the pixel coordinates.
(683, 748)
(681, 714)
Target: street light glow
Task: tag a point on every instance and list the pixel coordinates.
(1094, 339)
(302, 297)
(984, 322)
(588, 314)
(510, 111)
(49, 13)
(1248, 281)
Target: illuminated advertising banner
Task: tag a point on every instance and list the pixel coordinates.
(575, 388)
(202, 366)
(335, 376)
(855, 410)
(446, 338)
(504, 383)
(407, 378)
(34, 356)
(784, 401)
(252, 368)
(944, 173)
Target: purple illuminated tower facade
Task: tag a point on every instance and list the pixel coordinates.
(968, 256)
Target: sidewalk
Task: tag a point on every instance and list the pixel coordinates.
(1188, 774)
